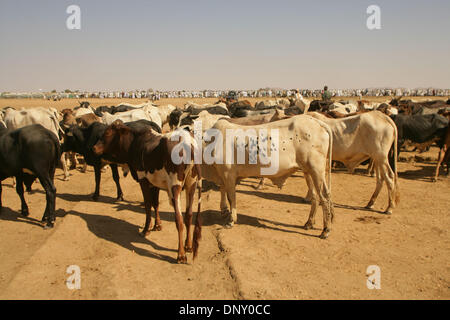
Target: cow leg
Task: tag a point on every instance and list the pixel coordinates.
(388, 175)
(223, 202)
(83, 170)
(231, 195)
(64, 166)
(377, 188)
(50, 195)
(116, 178)
(98, 176)
(371, 168)
(1, 204)
(260, 184)
(190, 192)
(176, 191)
(73, 160)
(147, 194)
(19, 189)
(313, 199)
(317, 172)
(155, 204)
(325, 202)
(441, 156)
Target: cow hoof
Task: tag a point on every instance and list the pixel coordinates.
(225, 212)
(324, 235)
(119, 198)
(229, 225)
(388, 211)
(182, 260)
(49, 225)
(144, 233)
(95, 197)
(433, 180)
(157, 227)
(369, 206)
(308, 226)
(188, 249)
(24, 212)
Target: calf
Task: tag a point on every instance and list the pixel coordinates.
(28, 153)
(150, 158)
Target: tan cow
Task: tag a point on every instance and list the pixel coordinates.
(367, 135)
(298, 142)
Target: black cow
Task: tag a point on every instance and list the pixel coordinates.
(99, 110)
(82, 140)
(319, 105)
(122, 108)
(28, 153)
(420, 129)
(83, 104)
(174, 118)
(245, 105)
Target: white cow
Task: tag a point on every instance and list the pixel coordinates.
(297, 142)
(164, 112)
(363, 136)
(132, 115)
(47, 117)
(82, 111)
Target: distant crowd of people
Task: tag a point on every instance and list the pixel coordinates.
(260, 93)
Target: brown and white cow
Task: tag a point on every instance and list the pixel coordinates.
(298, 142)
(150, 156)
(367, 135)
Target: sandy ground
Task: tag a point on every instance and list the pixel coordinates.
(267, 255)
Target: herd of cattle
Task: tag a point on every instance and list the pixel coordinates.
(311, 136)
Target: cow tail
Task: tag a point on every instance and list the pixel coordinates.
(393, 159)
(330, 159)
(58, 153)
(394, 155)
(198, 222)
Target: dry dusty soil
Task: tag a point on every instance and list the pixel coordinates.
(266, 255)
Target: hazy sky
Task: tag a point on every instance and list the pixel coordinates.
(216, 44)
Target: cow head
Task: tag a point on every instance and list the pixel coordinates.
(115, 141)
(174, 118)
(73, 139)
